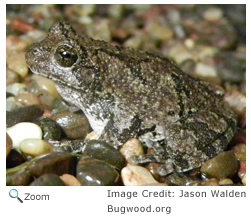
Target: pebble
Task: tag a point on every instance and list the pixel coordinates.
(15, 43)
(240, 152)
(93, 172)
(57, 163)
(23, 114)
(48, 179)
(132, 147)
(27, 99)
(35, 147)
(70, 180)
(242, 169)
(156, 184)
(133, 175)
(74, 125)
(243, 180)
(91, 136)
(226, 182)
(8, 144)
(16, 62)
(99, 29)
(210, 182)
(207, 72)
(222, 166)
(158, 31)
(237, 101)
(24, 130)
(18, 178)
(105, 152)
(11, 77)
(32, 36)
(12, 104)
(212, 14)
(51, 130)
(180, 179)
(42, 83)
(16, 88)
(15, 158)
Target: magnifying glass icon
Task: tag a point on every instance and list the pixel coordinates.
(14, 194)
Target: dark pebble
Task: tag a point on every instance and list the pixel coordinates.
(57, 163)
(93, 172)
(14, 159)
(103, 151)
(222, 166)
(48, 180)
(180, 179)
(23, 114)
(74, 125)
(51, 130)
(18, 178)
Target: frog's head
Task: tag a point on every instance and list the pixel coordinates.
(63, 57)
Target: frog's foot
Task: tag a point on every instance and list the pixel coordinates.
(166, 165)
(73, 146)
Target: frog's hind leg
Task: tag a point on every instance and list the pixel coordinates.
(198, 137)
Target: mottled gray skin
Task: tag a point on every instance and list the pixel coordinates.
(126, 93)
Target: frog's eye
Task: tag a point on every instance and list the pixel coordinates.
(65, 55)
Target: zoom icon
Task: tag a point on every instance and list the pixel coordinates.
(14, 194)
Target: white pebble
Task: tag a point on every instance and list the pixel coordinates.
(35, 147)
(131, 147)
(204, 70)
(213, 14)
(136, 176)
(46, 84)
(243, 180)
(24, 130)
(16, 88)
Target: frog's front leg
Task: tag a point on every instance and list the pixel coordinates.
(122, 125)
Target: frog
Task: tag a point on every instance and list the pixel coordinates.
(127, 93)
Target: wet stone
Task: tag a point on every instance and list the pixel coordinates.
(105, 152)
(16, 62)
(14, 159)
(212, 14)
(51, 130)
(16, 88)
(131, 147)
(70, 180)
(56, 162)
(8, 145)
(23, 114)
(222, 166)
(35, 147)
(243, 180)
(42, 83)
(136, 176)
(180, 179)
(240, 152)
(74, 125)
(93, 172)
(27, 99)
(242, 169)
(237, 101)
(24, 130)
(11, 77)
(48, 180)
(12, 104)
(18, 178)
(226, 182)
(210, 182)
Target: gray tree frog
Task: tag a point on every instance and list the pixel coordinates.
(127, 93)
